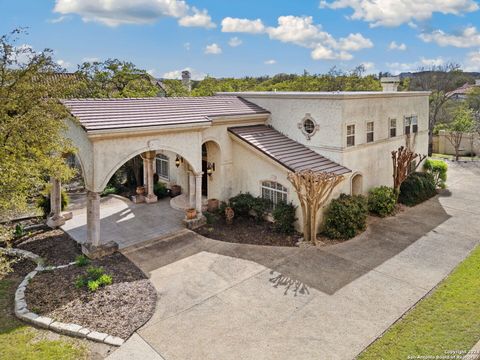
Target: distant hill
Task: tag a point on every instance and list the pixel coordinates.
(406, 75)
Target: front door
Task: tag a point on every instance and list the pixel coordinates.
(204, 178)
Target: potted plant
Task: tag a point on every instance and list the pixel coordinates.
(140, 190)
(176, 190)
(191, 214)
(212, 205)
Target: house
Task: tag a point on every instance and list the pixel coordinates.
(219, 146)
(462, 92)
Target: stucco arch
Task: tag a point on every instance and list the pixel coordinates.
(131, 155)
(356, 184)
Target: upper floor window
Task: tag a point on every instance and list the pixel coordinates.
(350, 135)
(370, 131)
(163, 167)
(393, 128)
(308, 126)
(274, 193)
(411, 124)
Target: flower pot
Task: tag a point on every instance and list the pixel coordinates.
(176, 190)
(140, 190)
(213, 205)
(191, 214)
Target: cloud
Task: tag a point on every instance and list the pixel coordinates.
(394, 46)
(213, 49)
(63, 63)
(472, 62)
(398, 67)
(187, 46)
(120, 12)
(369, 67)
(242, 26)
(270, 62)
(397, 12)
(469, 37)
(177, 74)
(235, 41)
(199, 18)
(91, 59)
(301, 31)
(59, 19)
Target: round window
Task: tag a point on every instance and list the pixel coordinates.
(309, 126)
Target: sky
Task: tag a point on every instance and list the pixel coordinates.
(224, 38)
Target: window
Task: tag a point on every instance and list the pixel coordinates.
(411, 124)
(163, 166)
(350, 135)
(309, 126)
(393, 128)
(370, 131)
(274, 193)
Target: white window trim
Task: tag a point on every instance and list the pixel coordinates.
(390, 128)
(410, 124)
(369, 132)
(347, 136)
(301, 126)
(165, 159)
(284, 191)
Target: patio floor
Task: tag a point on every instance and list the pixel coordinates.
(124, 222)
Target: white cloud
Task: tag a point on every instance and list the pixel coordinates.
(469, 37)
(242, 26)
(177, 74)
(90, 59)
(187, 46)
(235, 41)
(213, 49)
(397, 12)
(394, 46)
(369, 67)
(119, 12)
(59, 19)
(199, 18)
(270, 62)
(397, 67)
(472, 62)
(64, 64)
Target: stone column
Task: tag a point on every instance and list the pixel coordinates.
(198, 193)
(145, 177)
(150, 159)
(55, 218)
(191, 189)
(94, 248)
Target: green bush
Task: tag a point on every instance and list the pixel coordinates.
(109, 190)
(245, 205)
(382, 201)
(82, 260)
(43, 202)
(160, 189)
(345, 217)
(438, 168)
(93, 279)
(417, 188)
(284, 217)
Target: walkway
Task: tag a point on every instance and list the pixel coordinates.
(234, 301)
(125, 222)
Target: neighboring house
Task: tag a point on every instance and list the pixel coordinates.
(219, 146)
(462, 92)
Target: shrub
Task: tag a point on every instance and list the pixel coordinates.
(109, 190)
(82, 260)
(382, 201)
(346, 217)
(417, 188)
(241, 204)
(284, 217)
(160, 189)
(43, 202)
(94, 279)
(438, 168)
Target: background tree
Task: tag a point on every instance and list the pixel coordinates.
(473, 102)
(313, 190)
(31, 124)
(463, 123)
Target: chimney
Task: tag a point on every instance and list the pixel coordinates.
(390, 84)
(186, 80)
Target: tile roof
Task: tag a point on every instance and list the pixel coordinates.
(112, 114)
(287, 152)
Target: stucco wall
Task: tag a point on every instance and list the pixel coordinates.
(470, 143)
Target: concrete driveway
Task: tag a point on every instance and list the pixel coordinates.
(230, 301)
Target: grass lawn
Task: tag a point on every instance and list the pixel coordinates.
(448, 319)
(19, 341)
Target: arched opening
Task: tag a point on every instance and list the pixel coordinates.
(357, 184)
(211, 169)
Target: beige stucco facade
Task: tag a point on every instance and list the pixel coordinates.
(239, 167)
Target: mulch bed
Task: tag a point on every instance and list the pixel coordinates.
(247, 231)
(55, 246)
(118, 309)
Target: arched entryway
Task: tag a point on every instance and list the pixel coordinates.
(211, 166)
(357, 184)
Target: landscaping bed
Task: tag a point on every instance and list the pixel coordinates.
(247, 231)
(117, 309)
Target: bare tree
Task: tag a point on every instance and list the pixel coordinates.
(403, 159)
(313, 189)
(462, 124)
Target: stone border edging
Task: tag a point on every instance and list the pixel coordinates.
(70, 329)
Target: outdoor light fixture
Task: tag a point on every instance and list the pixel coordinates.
(210, 169)
(178, 161)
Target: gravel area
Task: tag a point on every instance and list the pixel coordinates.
(55, 246)
(118, 309)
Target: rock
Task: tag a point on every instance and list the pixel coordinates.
(97, 336)
(113, 340)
